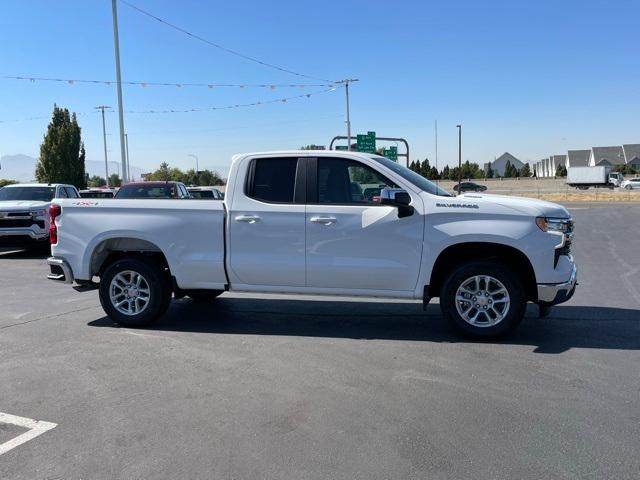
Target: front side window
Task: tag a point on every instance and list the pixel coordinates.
(272, 180)
(342, 181)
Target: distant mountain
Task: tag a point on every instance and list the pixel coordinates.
(22, 168)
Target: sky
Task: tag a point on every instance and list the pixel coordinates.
(533, 78)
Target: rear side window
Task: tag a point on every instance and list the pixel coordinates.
(71, 192)
(272, 179)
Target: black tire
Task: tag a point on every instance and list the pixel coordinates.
(204, 296)
(159, 291)
(628, 187)
(511, 282)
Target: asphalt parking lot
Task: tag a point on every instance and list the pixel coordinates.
(281, 387)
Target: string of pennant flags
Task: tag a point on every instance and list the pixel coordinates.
(202, 109)
(72, 81)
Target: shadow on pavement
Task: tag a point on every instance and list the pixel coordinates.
(33, 253)
(567, 327)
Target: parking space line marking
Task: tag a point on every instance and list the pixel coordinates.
(35, 428)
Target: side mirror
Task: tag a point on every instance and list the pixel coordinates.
(398, 198)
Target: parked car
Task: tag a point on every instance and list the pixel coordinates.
(24, 212)
(469, 187)
(209, 193)
(291, 222)
(631, 184)
(153, 190)
(97, 193)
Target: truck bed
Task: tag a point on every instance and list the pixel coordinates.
(190, 233)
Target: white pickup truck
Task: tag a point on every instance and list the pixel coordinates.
(325, 223)
(24, 212)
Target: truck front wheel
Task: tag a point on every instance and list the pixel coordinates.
(483, 298)
(134, 292)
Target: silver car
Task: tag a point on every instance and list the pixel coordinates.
(631, 184)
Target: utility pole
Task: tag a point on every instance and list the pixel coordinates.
(116, 44)
(348, 121)
(126, 142)
(104, 138)
(437, 150)
(459, 157)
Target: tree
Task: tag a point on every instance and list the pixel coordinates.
(525, 171)
(162, 174)
(561, 171)
(210, 178)
(425, 168)
(446, 173)
(489, 172)
(433, 174)
(62, 154)
(4, 182)
(507, 170)
(96, 181)
(313, 147)
(115, 180)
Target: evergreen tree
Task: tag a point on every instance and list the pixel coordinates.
(62, 154)
(425, 168)
(433, 174)
(525, 171)
(489, 172)
(445, 173)
(561, 171)
(507, 170)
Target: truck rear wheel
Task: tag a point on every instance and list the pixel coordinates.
(483, 298)
(134, 292)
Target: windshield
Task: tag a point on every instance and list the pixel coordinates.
(411, 176)
(146, 191)
(37, 194)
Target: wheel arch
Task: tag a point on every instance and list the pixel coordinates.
(460, 253)
(111, 249)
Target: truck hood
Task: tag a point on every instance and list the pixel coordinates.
(527, 206)
(10, 205)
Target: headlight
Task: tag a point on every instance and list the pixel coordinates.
(560, 225)
(38, 213)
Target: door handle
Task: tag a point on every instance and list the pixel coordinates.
(323, 220)
(247, 218)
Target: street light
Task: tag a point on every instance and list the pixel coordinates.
(459, 156)
(196, 157)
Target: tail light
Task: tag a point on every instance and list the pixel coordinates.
(54, 212)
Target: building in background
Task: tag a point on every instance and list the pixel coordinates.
(499, 164)
(632, 155)
(578, 158)
(607, 156)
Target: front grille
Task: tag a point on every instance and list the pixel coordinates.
(19, 223)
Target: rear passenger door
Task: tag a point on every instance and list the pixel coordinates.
(267, 224)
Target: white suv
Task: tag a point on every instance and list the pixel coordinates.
(24, 212)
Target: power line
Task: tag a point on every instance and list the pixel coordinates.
(72, 81)
(238, 105)
(220, 47)
(200, 109)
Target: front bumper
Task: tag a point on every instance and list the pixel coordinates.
(555, 293)
(60, 270)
